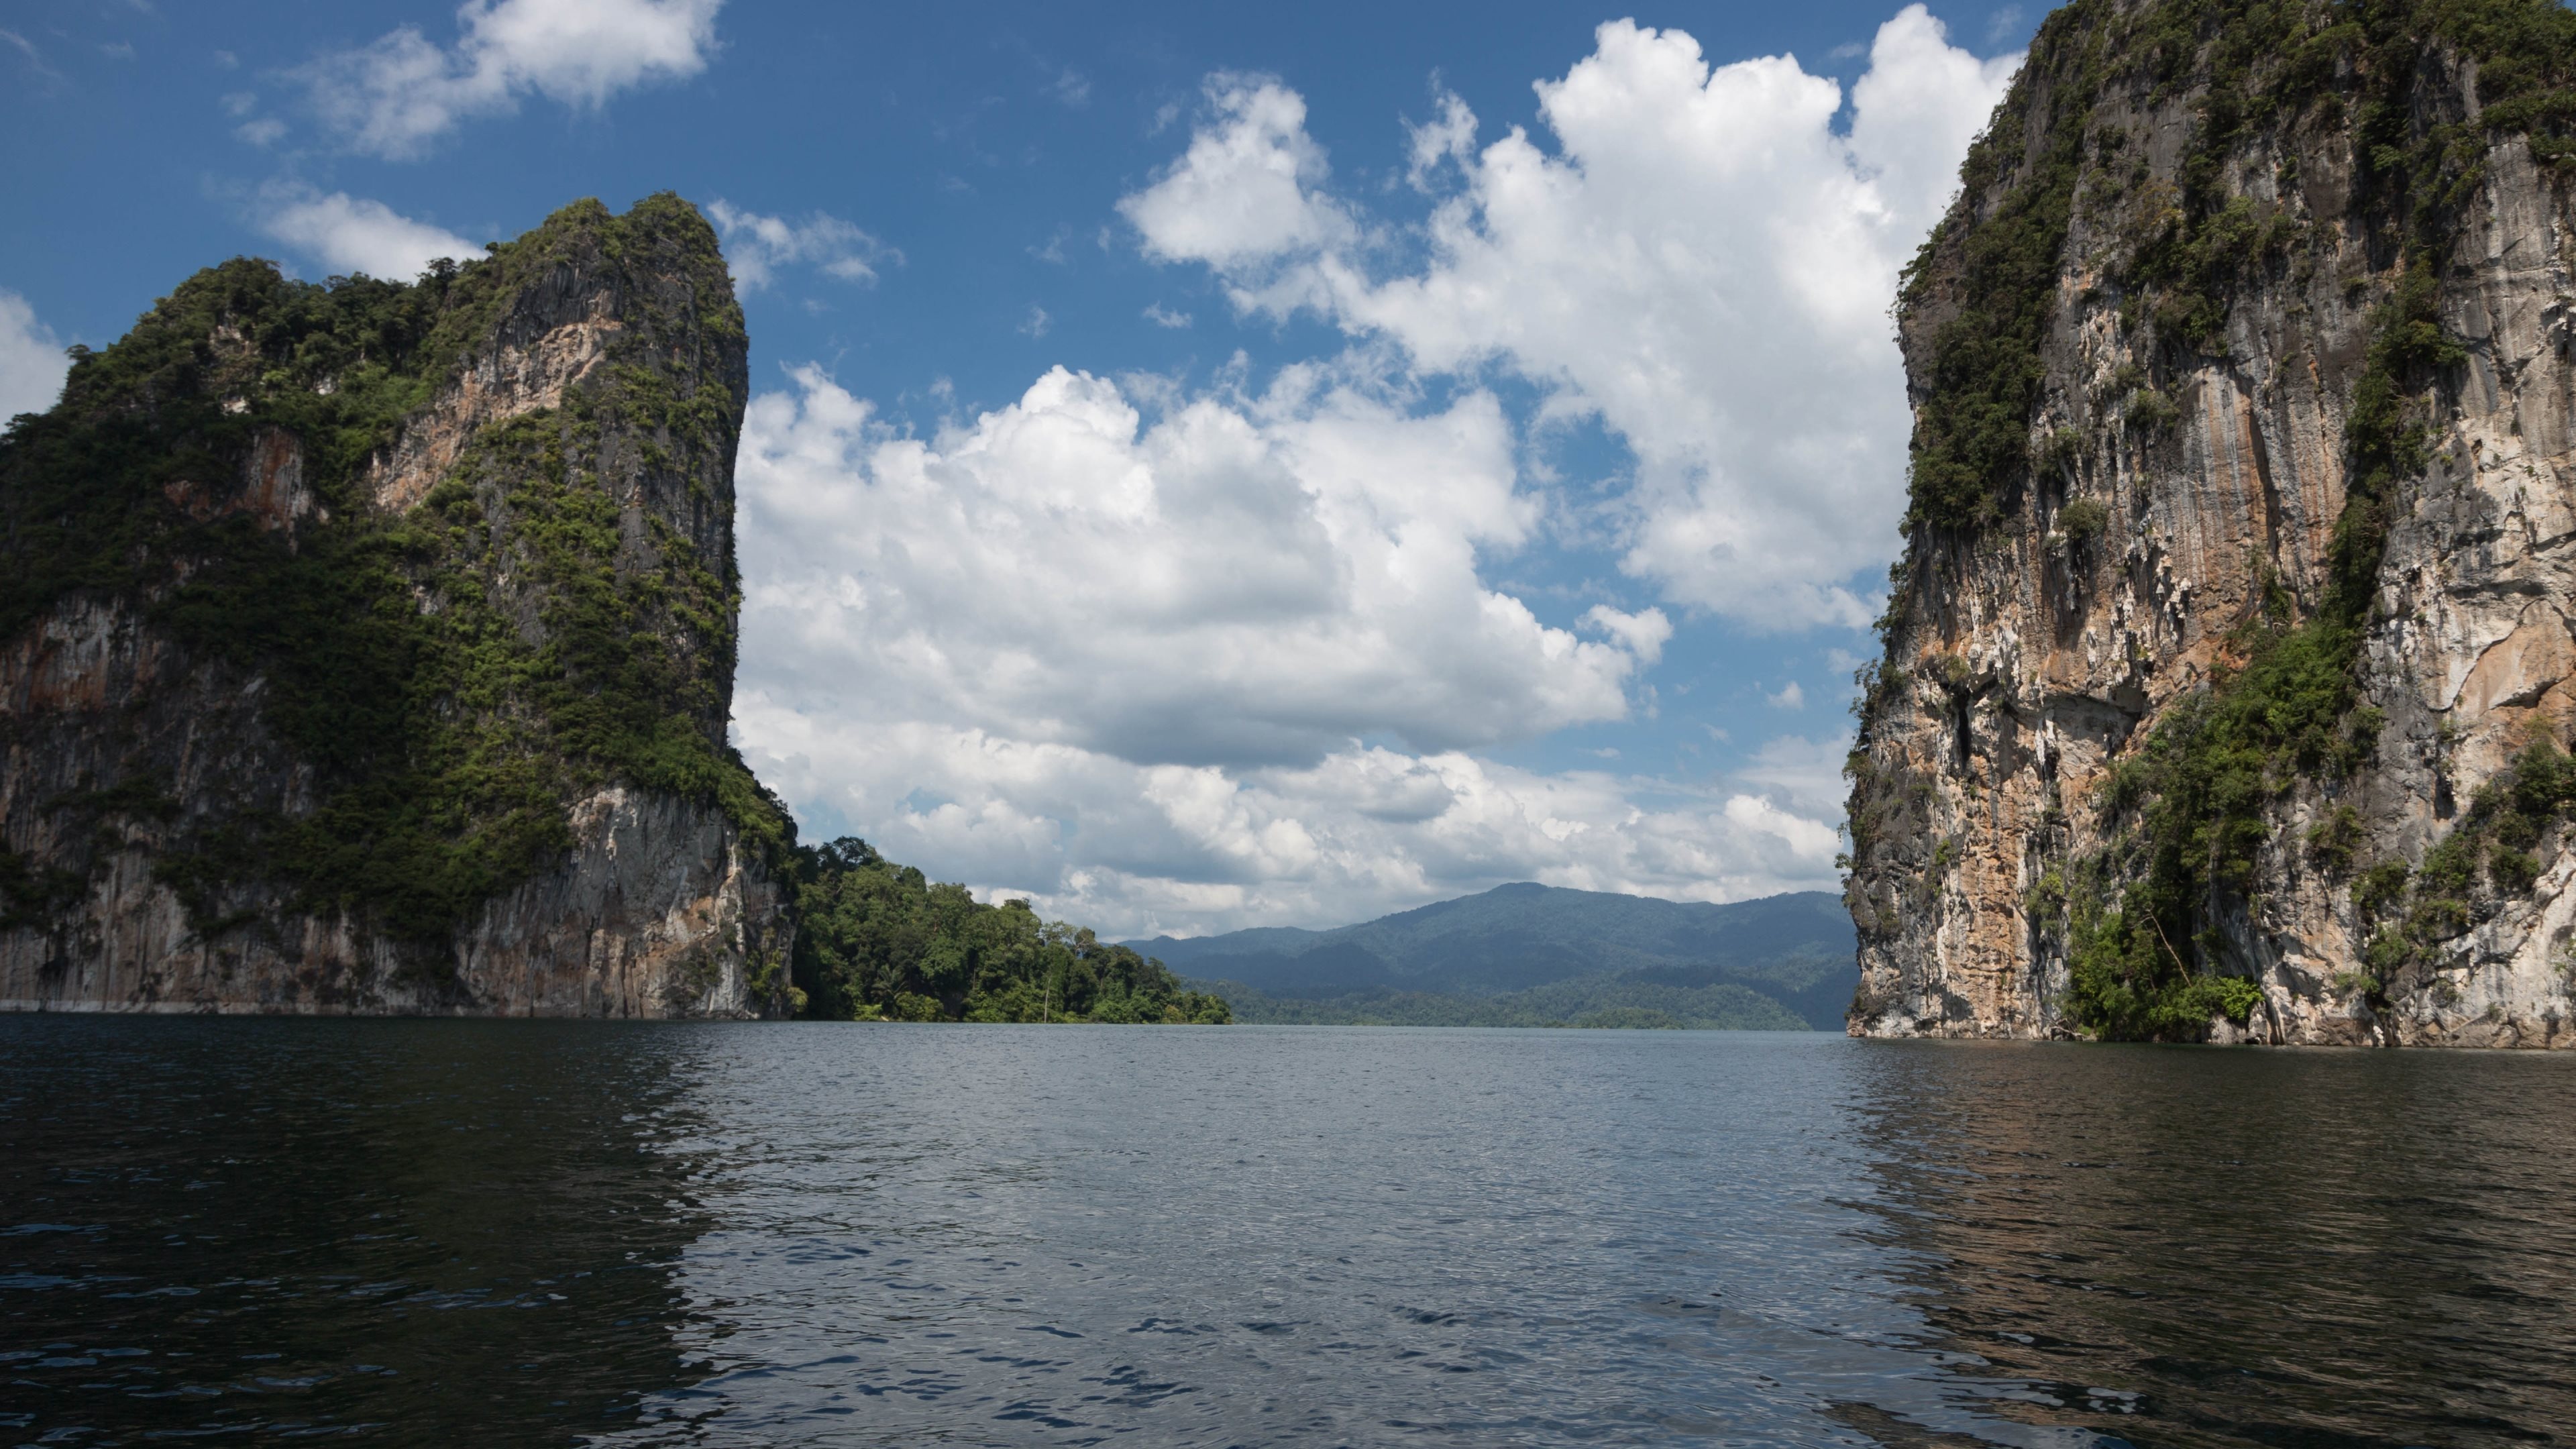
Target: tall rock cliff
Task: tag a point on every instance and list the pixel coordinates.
(2229, 671)
(369, 647)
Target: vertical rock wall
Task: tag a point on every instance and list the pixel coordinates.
(2182, 491)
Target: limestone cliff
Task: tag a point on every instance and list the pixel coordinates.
(2229, 670)
(369, 647)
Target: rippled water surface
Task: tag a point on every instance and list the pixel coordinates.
(516, 1232)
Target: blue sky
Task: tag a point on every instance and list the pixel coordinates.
(1210, 466)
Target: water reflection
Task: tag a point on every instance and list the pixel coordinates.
(1007, 1236)
(814, 1234)
(2240, 1247)
(443, 1230)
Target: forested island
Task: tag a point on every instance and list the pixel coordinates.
(879, 941)
(367, 647)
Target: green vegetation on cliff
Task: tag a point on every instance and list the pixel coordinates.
(1989, 272)
(2489, 854)
(452, 676)
(879, 941)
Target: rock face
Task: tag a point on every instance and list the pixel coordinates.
(2222, 701)
(370, 648)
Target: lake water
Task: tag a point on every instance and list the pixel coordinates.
(556, 1232)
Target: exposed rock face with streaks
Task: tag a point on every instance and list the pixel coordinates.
(2187, 476)
(370, 648)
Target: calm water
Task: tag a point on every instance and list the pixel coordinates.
(508, 1232)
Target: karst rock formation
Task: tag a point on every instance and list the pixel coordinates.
(2229, 674)
(368, 647)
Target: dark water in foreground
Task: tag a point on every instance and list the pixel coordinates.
(506, 1232)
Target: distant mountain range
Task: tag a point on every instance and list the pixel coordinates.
(1534, 955)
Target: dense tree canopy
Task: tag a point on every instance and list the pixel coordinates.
(879, 941)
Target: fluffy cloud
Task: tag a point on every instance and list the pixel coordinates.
(1644, 633)
(31, 360)
(397, 96)
(1247, 188)
(1221, 666)
(349, 234)
(1704, 263)
(758, 246)
(1804, 775)
(1245, 580)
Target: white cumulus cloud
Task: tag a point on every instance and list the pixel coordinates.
(398, 96)
(1643, 632)
(1703, 261)
(1452, 137)
(758, 246)
(31, 360)
(1245, 579)
(349, 234)
(1247, 189)
(1229, 664)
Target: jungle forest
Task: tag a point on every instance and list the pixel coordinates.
(878, 941)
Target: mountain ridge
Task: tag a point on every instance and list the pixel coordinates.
(1794, 950)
